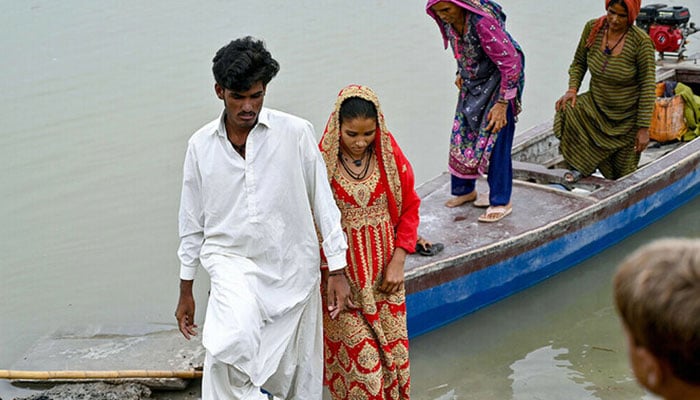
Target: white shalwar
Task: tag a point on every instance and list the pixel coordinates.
(250, 223)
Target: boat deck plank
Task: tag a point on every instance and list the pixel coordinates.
(534, 206)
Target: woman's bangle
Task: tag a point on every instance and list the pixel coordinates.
(337, 272)
(571, 90)
(502, 101)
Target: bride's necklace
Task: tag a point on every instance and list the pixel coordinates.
(362, 174)
(358, 162)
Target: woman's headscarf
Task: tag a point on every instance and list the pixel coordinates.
(486, 8)
(633, 8)
(383, 146)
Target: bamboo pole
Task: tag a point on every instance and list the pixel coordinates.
(123, 374)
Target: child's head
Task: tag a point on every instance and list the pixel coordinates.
(657, 294)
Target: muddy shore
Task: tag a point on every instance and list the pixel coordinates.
(109, 391)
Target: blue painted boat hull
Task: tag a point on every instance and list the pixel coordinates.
(481, 269)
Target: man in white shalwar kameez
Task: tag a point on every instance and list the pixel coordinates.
(254, 183)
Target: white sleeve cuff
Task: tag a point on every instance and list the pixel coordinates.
(187, 273)
(336, 262)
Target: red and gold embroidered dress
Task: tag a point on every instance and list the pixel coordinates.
(366, 350)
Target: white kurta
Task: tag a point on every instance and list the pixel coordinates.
(250, 223)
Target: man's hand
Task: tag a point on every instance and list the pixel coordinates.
(185, 310)
(339, 294)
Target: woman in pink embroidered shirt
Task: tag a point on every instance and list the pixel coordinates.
(490, 79)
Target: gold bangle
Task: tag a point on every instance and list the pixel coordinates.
(502, 101)
(337, 272)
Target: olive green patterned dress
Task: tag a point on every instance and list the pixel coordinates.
(600, 131)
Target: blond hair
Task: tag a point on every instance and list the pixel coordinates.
(657, 294)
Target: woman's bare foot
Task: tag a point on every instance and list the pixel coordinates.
(459, 200)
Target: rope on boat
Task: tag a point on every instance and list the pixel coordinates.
(123, 374)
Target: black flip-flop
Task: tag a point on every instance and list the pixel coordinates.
(429, 249)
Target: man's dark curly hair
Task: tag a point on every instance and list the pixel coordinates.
(242, 63)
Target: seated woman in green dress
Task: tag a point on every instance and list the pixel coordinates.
(607, 127)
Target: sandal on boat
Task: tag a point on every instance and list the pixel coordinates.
(425, 248)
(496, 213)
(463, 199)
(482, 200)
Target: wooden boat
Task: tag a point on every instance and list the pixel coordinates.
(554, 225)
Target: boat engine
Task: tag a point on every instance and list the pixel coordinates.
(668, 27)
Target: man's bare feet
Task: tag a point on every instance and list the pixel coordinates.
(459, 200)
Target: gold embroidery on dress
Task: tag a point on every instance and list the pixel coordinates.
(366, 350)
(366, 223)
(361, 191)
(339, 388)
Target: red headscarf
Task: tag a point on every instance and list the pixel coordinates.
(633, 7)
(394, 168)
(384, 146)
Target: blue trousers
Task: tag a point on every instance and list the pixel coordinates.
(500, 175)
